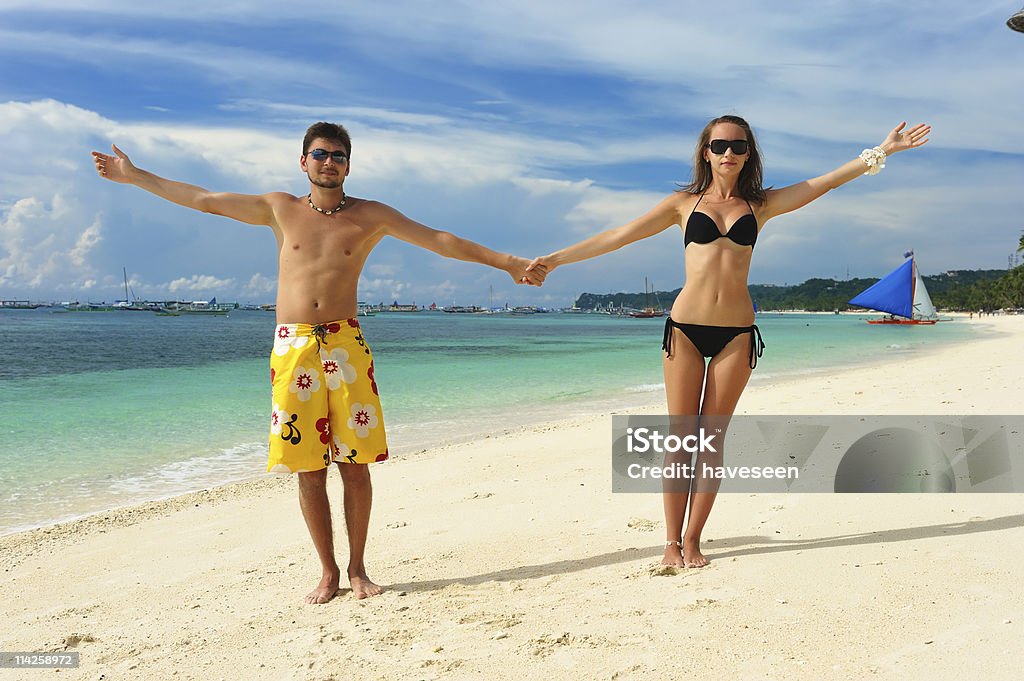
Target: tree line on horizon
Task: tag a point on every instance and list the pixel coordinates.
(960, 290)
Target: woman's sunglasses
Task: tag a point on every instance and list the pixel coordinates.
(322, 154)
(739, 147)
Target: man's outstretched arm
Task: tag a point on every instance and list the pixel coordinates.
(451, 246)
(249, 208)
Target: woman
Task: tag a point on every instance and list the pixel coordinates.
(722, 212)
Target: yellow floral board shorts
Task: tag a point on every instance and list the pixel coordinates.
(326, 406)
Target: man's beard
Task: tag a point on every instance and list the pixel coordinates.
(327, 182)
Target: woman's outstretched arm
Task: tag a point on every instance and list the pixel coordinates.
(655, 221)
(787, 199)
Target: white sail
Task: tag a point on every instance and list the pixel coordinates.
(923, 308)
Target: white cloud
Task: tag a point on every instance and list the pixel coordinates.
(532, 212)
(547, 187)
(602, 208)
(210, 60)
(199, 283)
(86, 242)
(363, 114)
(382, 289)
(383, 270)
(41, 243)
(260, 285)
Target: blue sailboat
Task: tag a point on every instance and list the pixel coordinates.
(902, 294)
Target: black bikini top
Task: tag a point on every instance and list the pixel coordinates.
(701, 229)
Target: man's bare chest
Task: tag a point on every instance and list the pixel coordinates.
(336, 235)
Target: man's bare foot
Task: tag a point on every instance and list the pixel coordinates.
(325, 590)
(673, 555)
(362, 587)
(692, 556)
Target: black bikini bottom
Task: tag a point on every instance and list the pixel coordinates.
(709, 340)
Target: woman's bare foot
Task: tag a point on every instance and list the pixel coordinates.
(673, 554)
(326, 589)
(362, 587)
(692, 556)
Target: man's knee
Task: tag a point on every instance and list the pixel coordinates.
(355, 474)
(313, 480)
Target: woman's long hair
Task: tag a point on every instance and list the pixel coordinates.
(751, 176)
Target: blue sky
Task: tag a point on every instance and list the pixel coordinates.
(524, 126)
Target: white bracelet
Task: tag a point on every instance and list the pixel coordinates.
(875, 160)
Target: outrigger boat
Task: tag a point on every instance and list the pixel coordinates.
(648, 311)
(902, 294)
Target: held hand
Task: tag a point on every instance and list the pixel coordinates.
(900, 139)
(543, 265)
(522, 274)
(117, 168)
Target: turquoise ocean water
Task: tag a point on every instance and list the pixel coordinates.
(103, 409)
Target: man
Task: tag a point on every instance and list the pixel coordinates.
(326, 407)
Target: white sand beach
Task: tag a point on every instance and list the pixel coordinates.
(510, 558)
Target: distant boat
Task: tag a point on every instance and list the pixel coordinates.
(18, 305)
(464, 309)
(402, 307)
(575, 309)
(208, 308)
(648, 312)
(131, 303)
(86, 307)
(902, 294)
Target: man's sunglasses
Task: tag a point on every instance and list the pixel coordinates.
(739, 147)
(322, 154)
